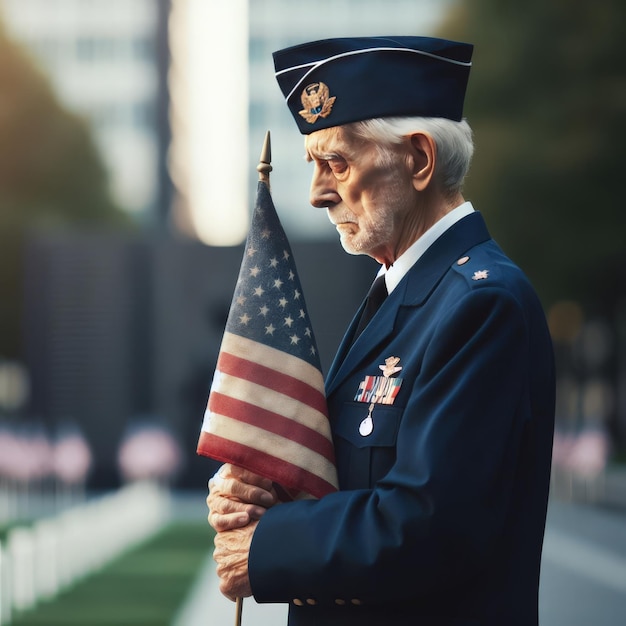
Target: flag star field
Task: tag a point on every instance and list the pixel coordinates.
(268, 305)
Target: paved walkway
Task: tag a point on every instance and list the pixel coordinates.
(206, 606)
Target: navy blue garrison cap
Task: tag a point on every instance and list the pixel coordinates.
(337, 81)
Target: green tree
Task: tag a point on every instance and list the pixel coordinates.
(547, 101)
(51, 175)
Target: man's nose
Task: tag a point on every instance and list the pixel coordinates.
(323, 188)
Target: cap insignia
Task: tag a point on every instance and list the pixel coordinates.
(316, 101)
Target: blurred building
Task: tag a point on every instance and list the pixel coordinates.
(110, 60)
(107, 60)
(225, 98)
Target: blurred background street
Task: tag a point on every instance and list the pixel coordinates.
(584, 566)
(129, 137)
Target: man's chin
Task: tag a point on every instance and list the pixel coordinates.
(347, 243)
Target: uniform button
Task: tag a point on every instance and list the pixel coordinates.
(340, 601)
(311, 601)
(356, 601)
(463, 260)
(298, 602)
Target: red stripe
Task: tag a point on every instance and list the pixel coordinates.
(286, 474)
(272, 422)
(272, 379)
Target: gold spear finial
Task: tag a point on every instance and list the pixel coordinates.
(264, 168)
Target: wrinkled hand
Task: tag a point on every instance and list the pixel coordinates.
(231, 555)
(237, 497)
(237, 500)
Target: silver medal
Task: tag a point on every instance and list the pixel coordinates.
(367, 425)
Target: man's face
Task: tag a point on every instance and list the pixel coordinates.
(367, 199)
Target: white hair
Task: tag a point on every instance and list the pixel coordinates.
(455, 145)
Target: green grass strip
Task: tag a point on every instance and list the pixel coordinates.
(6, 527)
(144, 587)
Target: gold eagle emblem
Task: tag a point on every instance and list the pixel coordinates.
(316, 101)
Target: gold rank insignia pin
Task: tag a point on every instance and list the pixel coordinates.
(316, 101)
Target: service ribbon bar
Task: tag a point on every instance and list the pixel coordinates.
(378, 389)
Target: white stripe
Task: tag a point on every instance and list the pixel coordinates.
(270, 400)
(275, 359)
(317, 64)
(586, 559)
(270, 443)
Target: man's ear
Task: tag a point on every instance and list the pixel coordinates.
(424, 155)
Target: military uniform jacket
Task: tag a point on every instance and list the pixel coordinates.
(440, 516)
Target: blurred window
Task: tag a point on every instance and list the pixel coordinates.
(100, 49)
(257, 48)
(143, 115)
(258, 113)
(143, 49)
(85, 49)
(106, 49)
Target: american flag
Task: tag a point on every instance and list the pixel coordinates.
(267, 409)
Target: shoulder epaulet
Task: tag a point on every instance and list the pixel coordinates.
(476, 268)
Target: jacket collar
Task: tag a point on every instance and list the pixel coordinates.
(413, 290)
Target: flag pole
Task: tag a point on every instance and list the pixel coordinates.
(263, 168)
(238, 611)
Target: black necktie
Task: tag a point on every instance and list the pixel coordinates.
(375, 297)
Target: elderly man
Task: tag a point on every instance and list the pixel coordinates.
(441, 403)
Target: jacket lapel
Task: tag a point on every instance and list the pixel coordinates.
(349, 354)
